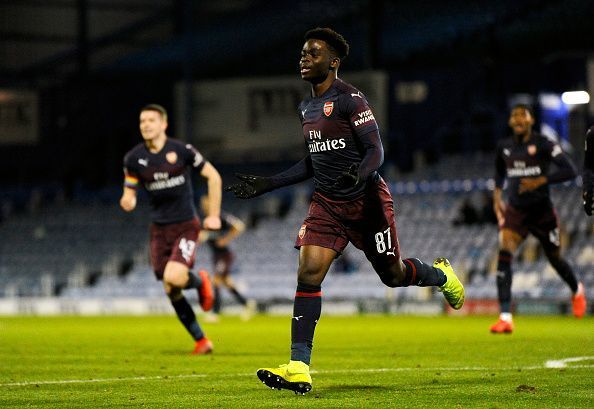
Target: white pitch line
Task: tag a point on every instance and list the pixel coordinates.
(562, 363)
(317, 372)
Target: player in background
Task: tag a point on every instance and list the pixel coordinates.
(588, 173)
(524, 161)
(163, 167)
(222, 257)
(350, 203)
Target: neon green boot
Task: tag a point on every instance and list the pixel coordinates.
(294, 376)
(452, 290)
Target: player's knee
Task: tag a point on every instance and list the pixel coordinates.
(173, 293)
(173, 279)
(309, 273)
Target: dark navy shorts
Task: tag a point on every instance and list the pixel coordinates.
(367, 222)
(539, 220)
(222, 261)
(173, 242)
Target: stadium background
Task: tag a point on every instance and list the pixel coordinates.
(440, 75)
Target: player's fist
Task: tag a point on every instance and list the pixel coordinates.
(250, 186)
(212, 223)
(348, 179)
(128, 203)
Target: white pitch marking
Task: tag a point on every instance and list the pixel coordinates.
(320, 372)
(562, 363)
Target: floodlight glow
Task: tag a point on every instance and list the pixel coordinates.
(575, 97)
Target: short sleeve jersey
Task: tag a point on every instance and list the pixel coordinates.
(332, 125)
(166, 176)
(530, 159)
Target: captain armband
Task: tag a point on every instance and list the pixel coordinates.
(131, 182)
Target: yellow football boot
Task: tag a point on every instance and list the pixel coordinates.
(294, 376)
(452, 290)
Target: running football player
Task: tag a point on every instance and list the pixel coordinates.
(524, 160)
(163, 167)
(351, 202)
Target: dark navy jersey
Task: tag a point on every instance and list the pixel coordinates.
(531, 159)
(332, 126)
(166, 176)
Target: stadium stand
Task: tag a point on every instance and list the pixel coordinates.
(97, 251)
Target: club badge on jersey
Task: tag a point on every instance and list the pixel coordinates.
(328, 108)
(171, 157)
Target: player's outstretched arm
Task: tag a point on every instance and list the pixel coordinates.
(251, 185)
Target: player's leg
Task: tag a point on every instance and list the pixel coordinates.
(376, 234)
(161, 243)
(314, 262)
(175, 278)
(249, 306)
(184, 237)
(217, 283)
(321, 238)
(509, 241)
(547, 232)
(223, 267)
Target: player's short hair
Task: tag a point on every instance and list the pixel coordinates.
(157, 108)
(526, 108)
(335, 41)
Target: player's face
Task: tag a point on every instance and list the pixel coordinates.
(152, 125)
(520, 121)
(315, 61)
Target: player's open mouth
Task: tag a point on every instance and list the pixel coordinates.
(305, 70)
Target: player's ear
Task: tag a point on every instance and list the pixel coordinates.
(334, 63)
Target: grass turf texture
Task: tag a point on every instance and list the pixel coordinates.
(359, 361)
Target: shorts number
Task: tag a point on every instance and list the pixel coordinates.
(187, 248)
(554, 237)
(380, 243)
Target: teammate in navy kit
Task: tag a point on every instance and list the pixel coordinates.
(588, 173)
(350, 203)
(223, 258)
(163, 167)
(524, 161)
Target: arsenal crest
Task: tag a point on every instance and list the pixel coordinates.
(171, 157)
(302, 231)
(531, 150)
(328, 107)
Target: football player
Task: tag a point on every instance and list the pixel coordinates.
(351, 202)
(524, 161)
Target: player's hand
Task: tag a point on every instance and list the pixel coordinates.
(250, 186)
(530, 184)
(212, 223)
(347, 179)
(128, 203)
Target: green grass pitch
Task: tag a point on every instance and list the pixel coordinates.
(359, 361)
